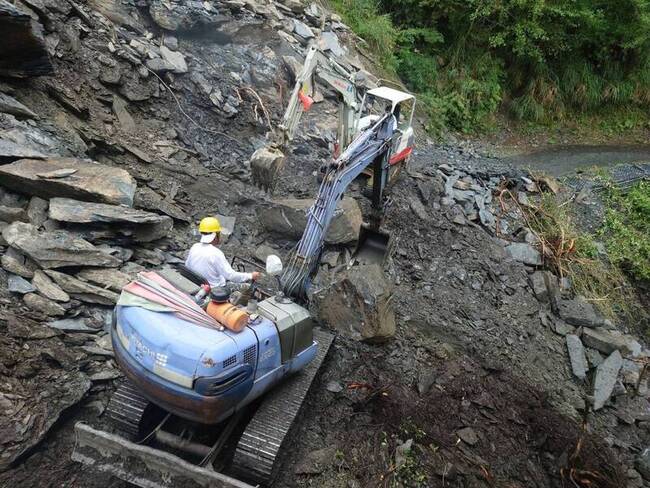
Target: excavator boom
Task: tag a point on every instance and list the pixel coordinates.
(371, 146)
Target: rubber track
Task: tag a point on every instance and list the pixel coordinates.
(125, 409)
(257, 453)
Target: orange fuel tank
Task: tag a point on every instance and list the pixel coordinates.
(228, 315)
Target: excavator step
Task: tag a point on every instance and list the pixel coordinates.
(256, 457)
(141, 465)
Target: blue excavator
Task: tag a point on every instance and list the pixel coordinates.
(209, 405)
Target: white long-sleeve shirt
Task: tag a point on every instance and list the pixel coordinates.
(210, 262)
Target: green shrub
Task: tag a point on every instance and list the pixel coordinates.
(627, 230)
(541, 60)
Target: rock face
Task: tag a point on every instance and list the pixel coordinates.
(55, 249)
(605, 380)
(577, 356)
(70, 178)
(22, 46)
(83, 291)
(145, 226)
(358, 304)
(288, 217)
(608, 342)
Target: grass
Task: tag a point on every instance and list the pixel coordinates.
(627, 231)
(568, 252)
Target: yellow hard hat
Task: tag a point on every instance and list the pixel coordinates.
(209, 225)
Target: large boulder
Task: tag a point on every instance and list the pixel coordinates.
(55, 249)
(580, 313)
(143, 226)
(288, 218)
(358, 304)
(22, 46)
(70, 178)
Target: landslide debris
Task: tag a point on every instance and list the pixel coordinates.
(149, 120)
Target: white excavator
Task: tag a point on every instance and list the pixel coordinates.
(359, 108)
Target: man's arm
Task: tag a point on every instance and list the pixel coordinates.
(223, 267)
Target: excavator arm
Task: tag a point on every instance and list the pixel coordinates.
(371, 146)
(266, 162)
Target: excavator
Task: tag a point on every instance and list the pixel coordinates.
(210, 402)
(356, 107)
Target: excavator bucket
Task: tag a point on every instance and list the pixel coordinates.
(266, 163)
(373, 247)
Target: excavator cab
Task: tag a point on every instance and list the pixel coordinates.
(402, 106)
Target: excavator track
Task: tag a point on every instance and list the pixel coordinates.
(256, 457)
(126, 409)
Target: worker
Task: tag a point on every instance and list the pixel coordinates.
(207, 260)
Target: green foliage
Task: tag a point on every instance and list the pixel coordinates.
(627, 230)
(540, 59)
(376, 29)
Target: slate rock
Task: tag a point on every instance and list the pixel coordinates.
(468, 435)
(18, 284)
(525, 253)
(37, 211)
(358, 304)
(594, 357)
(288, 218)
(146, 198)
(123, 116)
(43, 305)
(55, 249)
(105, 375)
(48, 288)
(145, 226)
(577, 356)
(175, 59)
(608, 342)
(83, 291)
(329, 41)
(13, 214)
(72, 325)
(606, 376)
(263, 251)
(302, 29)
(10, 105)
(79, 179)
(580, 313)
(537, 282)
(17, 263)
(111, 279)
(11, 151)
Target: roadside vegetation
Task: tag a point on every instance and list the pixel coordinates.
(535, 61)
(610, 268)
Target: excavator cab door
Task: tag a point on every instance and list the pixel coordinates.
(373, 247)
